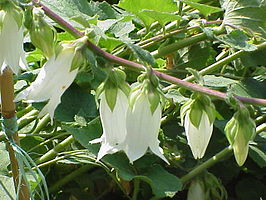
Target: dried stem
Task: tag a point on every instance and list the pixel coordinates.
(8, 111)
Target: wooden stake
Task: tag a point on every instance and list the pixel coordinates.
(8, 112)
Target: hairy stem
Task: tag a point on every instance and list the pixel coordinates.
(136, 66)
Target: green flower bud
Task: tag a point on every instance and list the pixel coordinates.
(42, 35)
(239, 131)
(213, 187)
(196, 190)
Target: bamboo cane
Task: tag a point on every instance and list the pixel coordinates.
(8, 112)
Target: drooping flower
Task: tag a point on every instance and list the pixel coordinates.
(239, 131)
(53, 79)
(143, 122)
(198, 115)
(114, 125)
(11, 38)
(113, 95)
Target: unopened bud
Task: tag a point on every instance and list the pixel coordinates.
(239, 131)
(42, 35)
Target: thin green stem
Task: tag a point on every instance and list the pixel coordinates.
(41, 124)
(56, 186)
(212, 161)
(261, 128)
(47, 141)
(54, 152)
(161, 52)
(27, 118)
(24, 111)
(136, 189)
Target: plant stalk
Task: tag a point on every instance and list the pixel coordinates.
(56, 186)
(8, 112)
(212, 161)
(136, 66)
(54, 152)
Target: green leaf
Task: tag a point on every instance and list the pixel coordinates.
(176, 96)
(80, 8)
(75, 102)
(245, 189)
(163, 183)
(4, 159)
(161, 17)
(238, 40)
(122, 27)
(250, 87)
(142, 54)
(258, 156)
(216, 82)
(7, 189)
(203, 8)
(245, 14)
(137, 6)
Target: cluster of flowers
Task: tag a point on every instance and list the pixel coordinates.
(130, 116)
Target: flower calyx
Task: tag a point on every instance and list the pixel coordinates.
(42, 35)
(148, 84)
(78, 46)
(116, 79)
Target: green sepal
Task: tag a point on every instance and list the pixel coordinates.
(195, 113)
(99, 91)
(208, 106)
(247, 123)
(15, 11)
(134, 94)
(118, 78)
(184, 109)
(211, 112)
(231, 130)
(110, 92)
(154, 100)
(43, 35)
(78, 59)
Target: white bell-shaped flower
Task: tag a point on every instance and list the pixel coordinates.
(142, 129)
(52, 81)
(114, 124)
(198, 137)
(11, 42)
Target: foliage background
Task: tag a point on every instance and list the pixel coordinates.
(69, 166)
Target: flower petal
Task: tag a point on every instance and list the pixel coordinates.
(114, 124)
(142, 130)
(52, 81)
(198, 138)
(12, 43)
